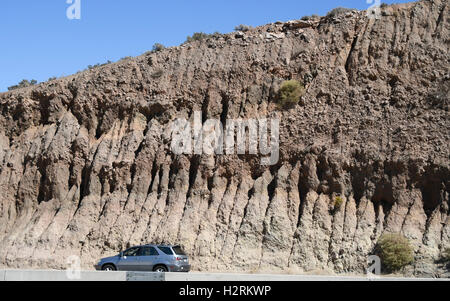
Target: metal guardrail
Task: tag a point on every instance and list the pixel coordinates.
(39, 275)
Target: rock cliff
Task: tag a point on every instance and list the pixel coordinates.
(86, 166)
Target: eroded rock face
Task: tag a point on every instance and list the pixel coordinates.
(86, 167)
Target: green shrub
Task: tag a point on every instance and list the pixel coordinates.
(90, 67)
(306, 18)
(338, 201)
(290, 93)
(23, 84)
(158, 47)
(243, 28)
(199, 36)
(338, 11)
(395, 251)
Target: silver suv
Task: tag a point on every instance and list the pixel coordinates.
(150, 258)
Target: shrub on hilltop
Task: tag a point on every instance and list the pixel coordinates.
(338, 11)
(23, 84)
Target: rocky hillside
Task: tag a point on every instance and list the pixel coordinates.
(86, 166)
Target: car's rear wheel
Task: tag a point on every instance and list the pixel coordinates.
(160, 269)
(108, 268)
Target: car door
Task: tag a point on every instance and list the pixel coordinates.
(129, 261)
(148, 258)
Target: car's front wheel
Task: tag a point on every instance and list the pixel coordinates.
(108, 268)
(160, 269)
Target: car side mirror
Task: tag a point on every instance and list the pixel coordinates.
(121, 254)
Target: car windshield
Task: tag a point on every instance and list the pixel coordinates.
(178, 250)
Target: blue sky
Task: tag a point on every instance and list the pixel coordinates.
(39, 41)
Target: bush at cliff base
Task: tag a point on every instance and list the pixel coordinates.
(395, 251)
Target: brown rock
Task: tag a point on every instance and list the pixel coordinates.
(86, 167)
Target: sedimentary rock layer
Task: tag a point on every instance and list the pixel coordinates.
(86, 167)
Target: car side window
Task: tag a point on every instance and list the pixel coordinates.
(178, 250)
(148, 251)
(131, 252)
(166, 250)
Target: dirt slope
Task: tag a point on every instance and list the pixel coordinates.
(86, 167)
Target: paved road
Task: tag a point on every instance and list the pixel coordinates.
(46, 275)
